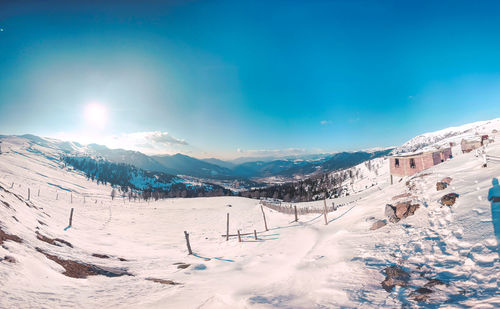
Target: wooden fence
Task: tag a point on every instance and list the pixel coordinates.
(289, 208)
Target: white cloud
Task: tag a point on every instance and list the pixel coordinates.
(161, 138)
(325, 122)
(154, 142)
(273, 152)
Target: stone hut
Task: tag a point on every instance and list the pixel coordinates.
(410, 164)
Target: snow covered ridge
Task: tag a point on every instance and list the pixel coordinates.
(445, 136)
(126, 177)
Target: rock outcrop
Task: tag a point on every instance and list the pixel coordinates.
(378, 224)
(449, 199)
(443, 184)
(447, 180)
(395, 275)
(400, 210)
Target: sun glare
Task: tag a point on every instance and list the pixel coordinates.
(96, 115)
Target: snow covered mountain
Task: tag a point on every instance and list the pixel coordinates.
(133, 254)
(98, 163)
(449, 135)
(213, 169)
(180, 164)
(134, 158)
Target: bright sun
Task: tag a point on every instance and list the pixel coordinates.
(96, 114)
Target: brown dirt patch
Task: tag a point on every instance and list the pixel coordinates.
(71, 268)
(4, 236)
(79, 270)
(53, 241)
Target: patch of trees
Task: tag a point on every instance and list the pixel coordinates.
(310, 189)
(139, 183)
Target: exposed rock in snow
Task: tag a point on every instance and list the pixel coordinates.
(449, 199)
(395, 275)
(421, 294)
(162, 281)
(400, 210)
(9, 259)
(447, 180)
(378, 224)
(441, 185)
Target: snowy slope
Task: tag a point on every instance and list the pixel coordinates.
(452, 134)
(293, 265)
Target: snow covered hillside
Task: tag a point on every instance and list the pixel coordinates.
(126, 177)
(127, 254)
(334, 184)
(452, 134)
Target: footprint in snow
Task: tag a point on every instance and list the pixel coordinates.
(478, 211)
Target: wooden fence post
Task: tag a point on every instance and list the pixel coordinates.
(71, 195)
(57, 196)
(255, 234)
(29, 194)
(239, 236)
(38, 192)
(187, 242)
(325, 211)
(12, 185)
(71, 217)
(391, 180)
(264, 215)
(227, 228)
(296, 217)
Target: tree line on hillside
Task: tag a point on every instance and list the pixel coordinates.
(138, 183)
(310, 189)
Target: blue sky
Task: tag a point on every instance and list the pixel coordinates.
(209, 78)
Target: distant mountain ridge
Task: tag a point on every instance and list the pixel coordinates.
(180, 164)
(216, 169)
